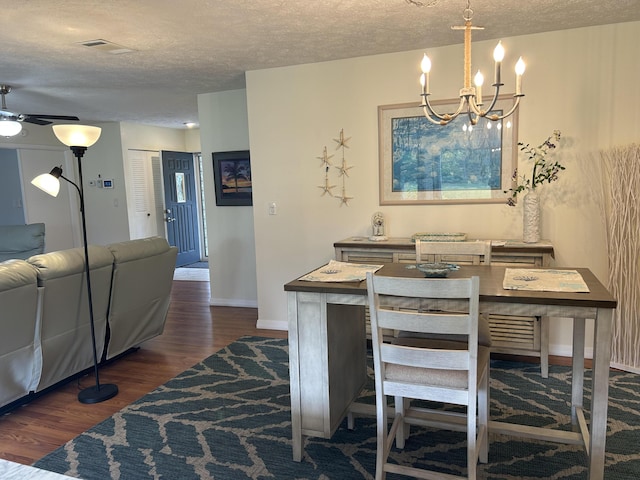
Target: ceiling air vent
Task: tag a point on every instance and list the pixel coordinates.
(107, 47)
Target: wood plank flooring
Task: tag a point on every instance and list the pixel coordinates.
(194, 330)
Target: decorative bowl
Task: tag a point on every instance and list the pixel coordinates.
(436, 270)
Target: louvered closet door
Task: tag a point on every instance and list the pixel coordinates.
(143, 211)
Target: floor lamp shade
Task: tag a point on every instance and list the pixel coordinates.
(49, 182)
(77, 135)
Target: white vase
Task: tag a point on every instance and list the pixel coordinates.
(531, 217)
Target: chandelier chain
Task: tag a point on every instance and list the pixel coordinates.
(468, 13)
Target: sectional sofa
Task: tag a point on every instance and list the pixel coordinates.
(44, 316)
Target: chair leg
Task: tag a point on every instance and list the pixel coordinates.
(472, 438)
(484, 404)
(407, 427)
(381, 450)
(401, 405)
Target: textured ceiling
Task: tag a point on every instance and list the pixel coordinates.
(186, 47)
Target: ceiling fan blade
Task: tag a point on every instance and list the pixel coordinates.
(50, 117)
(36, 121)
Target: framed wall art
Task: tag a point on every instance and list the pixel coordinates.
(424, 163)
(232, 178)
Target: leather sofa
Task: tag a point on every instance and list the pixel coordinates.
(44, 312)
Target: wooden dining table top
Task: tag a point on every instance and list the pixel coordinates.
(491, 286)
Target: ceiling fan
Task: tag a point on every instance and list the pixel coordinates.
(35, 118)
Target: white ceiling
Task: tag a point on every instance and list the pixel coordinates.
(186, 47)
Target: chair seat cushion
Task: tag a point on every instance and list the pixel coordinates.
(432, 376)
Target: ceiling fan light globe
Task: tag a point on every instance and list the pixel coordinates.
(9, 128)
(77, 135)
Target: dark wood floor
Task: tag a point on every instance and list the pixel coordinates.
(194, 330)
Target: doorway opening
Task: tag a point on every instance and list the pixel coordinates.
(167, 199)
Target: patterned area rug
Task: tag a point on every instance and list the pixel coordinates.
(228, 418)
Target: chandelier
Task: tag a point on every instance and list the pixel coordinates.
(471, 100)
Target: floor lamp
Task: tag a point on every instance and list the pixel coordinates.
(79, 138)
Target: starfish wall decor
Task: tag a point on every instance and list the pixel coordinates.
(343, 170)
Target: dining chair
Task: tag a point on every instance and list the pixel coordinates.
(468, 253)
(425, 369)
(464, 253)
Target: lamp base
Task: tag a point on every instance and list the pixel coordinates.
(97, 394)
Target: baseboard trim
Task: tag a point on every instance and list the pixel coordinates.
(233, 302)
(272, 325)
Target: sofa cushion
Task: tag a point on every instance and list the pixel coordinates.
(16, 273)
(137, 249)
(21, 241)
(69, 262)
(140, 291)
(65, 328)
(19, 357)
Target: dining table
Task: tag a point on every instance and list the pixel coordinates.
(328, 348)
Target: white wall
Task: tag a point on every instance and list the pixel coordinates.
(12, 212)
(579, 81)
(232, 260)
(192, 140)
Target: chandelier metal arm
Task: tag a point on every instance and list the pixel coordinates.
(440, 119)
(495, 118)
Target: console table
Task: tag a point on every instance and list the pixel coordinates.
(515, 335)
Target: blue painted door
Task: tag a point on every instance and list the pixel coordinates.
(181, 205)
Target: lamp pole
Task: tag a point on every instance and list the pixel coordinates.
(97, 393)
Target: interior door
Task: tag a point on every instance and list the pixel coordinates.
(181, 205)
(144, 191)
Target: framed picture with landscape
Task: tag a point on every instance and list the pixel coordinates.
(232, 177)
(425, 163)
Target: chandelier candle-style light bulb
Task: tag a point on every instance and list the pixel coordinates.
(471, 96)
(425, 65)
(520, 67)
(478, 80)
(498, 56)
